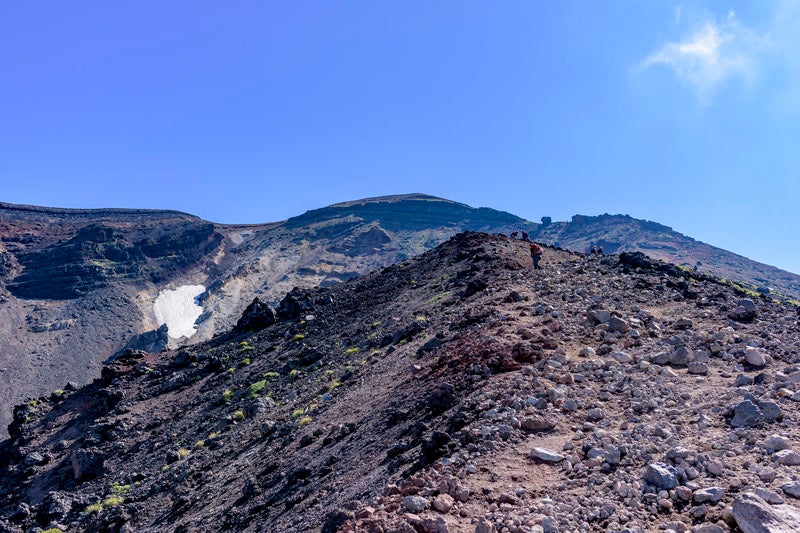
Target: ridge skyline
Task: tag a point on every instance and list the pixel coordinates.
(344, 203)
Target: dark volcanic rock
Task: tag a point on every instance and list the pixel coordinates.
(150, 341)
(258, 315)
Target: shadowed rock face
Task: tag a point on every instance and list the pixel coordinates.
(460, 390)
(86, 262)
(99, 254)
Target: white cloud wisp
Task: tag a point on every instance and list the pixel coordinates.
(711, 55)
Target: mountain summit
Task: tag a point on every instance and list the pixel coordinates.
(459, 390)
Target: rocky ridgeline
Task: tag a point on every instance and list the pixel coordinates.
(459, 391)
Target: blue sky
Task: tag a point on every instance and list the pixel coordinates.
(685, 113)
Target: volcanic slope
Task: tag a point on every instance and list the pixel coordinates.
(458, 391)
(79, 285)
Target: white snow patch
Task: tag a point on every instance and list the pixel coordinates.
(178, 309)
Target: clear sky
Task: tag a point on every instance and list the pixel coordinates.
(685, 113)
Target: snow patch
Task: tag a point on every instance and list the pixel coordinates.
(178, 309)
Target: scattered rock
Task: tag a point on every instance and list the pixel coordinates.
(443, 503)
(87, 464)
(548, 456)
(776, 443)
(709, 495)
(747, 414)
(256, 316)
(753, 515)
(755, 357)
(745, 311)
(415, 504)
(787, 457)
(661, 475)
(537, 423)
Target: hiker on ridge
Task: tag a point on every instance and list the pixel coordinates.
(536, 254)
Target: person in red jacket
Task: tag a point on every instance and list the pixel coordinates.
(536, 254)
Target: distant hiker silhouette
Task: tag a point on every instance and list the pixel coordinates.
(536, 254)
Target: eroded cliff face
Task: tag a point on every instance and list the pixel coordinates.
(100, 254)
(77, 285)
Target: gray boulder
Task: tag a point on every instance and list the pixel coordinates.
(681, 357)
(415, 504)
(753, 515)
(548, 456)
(746, 414)
(745, 311)
(661, 475)
(709, 495)
(776, 443)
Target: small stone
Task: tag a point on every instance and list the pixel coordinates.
(415, 504)
(708, 528)
(596, 414)
(792, 489)
(34, 458)
(661, 475)
(755, 357)
(681, 357)
(621, 357)
(745, 311)
(616, 324)
(536, 423)
(434, 525)
(548, 456)
(776, 443)
(677, 527)
(746, 414)
(751, 513)
(709, 494)
(661, 358)
(714, 468)
(696, 367)
(443, 503)
(587, 352)
(787, 457)
(484, 526)
(769, 496)
(770, 410)
(684, 323)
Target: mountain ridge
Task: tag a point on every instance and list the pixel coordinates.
(459, 390)
(86, 280)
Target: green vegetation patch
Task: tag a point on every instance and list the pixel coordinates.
(113, 501)
(255, 388)
(119, 488)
